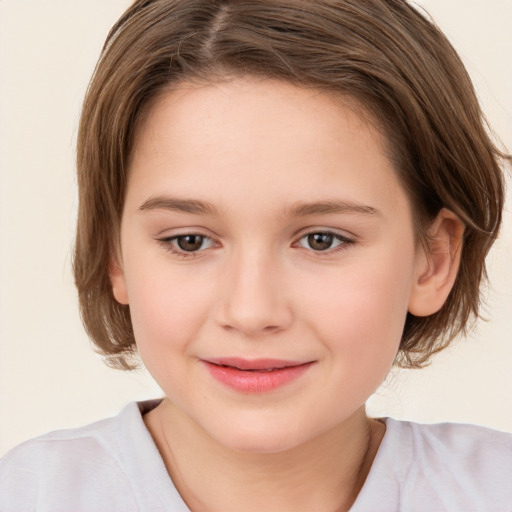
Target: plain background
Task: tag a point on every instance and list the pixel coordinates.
(49, 375)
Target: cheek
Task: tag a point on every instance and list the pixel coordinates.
(360, 313)
(167, 308)
(361, 331)
(167, 313)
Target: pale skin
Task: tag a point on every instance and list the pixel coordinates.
(254, 168)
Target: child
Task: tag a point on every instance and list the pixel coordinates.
(279, 200)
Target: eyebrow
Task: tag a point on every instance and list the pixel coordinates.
(302, 209)
(298, 209)
(179, 205)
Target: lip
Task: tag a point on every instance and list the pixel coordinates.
(255, 375)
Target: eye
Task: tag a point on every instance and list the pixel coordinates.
(186, 244)
(323, 241)
(190, 243)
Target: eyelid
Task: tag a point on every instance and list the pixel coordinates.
(167, 242)
(341, 233)
(346, 240)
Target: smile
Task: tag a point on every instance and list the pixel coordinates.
(255, 376)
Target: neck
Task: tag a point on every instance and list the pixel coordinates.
(325, 473)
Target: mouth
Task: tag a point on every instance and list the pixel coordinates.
(257, 375)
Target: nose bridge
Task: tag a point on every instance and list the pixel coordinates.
(254, 301)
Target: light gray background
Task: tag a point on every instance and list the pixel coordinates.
(49, 375)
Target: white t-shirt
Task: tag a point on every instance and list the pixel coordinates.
(114, 466)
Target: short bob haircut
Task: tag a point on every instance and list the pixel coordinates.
(383, 54)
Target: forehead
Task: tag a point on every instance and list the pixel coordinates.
(255, 138)
(191, 111)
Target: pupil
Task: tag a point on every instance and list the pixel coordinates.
(320, 241)
(190, 242)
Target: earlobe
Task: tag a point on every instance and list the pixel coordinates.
(117, 280)
(437, 265)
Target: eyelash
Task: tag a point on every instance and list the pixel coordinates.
(169, 243)
(344, 242)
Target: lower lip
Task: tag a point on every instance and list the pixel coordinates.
(248, 381)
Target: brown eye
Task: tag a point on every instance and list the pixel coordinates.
(190, 243)
(320, 241)
(187, 245)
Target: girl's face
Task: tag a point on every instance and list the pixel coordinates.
(268, 259)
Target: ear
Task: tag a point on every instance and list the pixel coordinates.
(118, 282)
(437, 264)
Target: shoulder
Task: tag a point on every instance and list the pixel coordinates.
(448, 466)
(69, 468)
(486, 449)
(459, 467)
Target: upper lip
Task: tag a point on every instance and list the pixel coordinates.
(254, 364)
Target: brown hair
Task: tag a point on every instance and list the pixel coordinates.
(397, 65)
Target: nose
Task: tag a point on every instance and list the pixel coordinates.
(253, 297)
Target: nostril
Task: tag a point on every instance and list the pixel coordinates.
(272, 328)
(252, 330)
